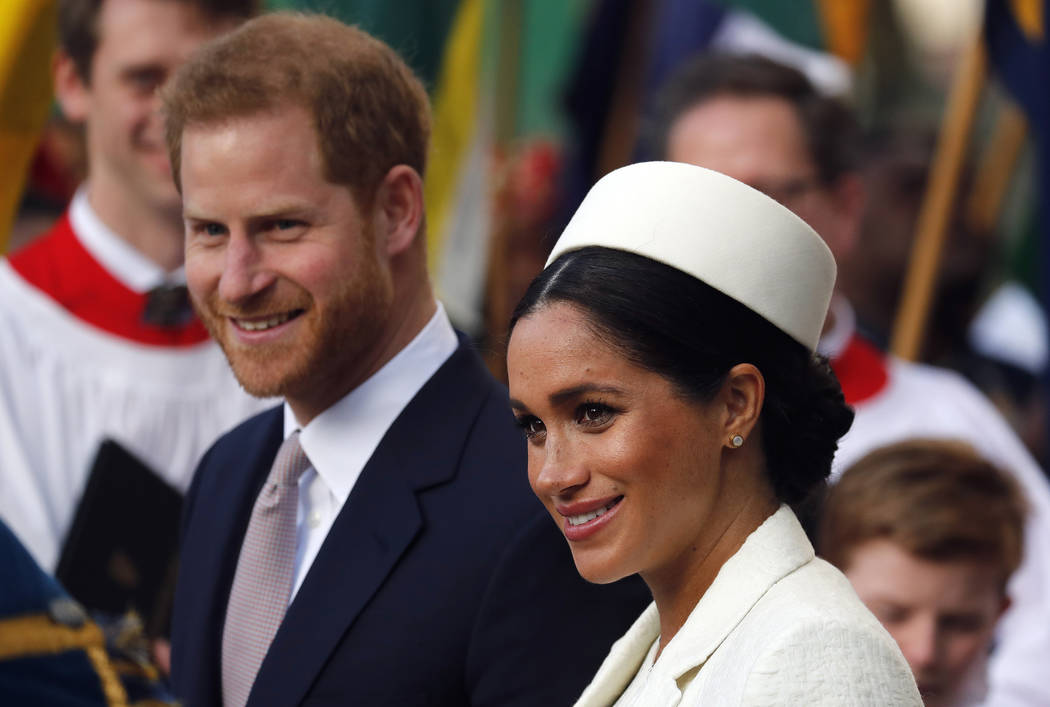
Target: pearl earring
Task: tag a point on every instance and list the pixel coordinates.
(736, 441)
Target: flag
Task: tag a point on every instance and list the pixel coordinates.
(1015, 36)
(28, 36)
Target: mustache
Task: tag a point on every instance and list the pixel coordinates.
(262, 304)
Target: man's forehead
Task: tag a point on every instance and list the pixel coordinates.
(144, 22)
(741, 135)
(263, 163)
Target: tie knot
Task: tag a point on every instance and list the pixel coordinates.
(168, 306)
(290, 463)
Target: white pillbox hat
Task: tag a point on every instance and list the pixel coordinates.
(721, 231)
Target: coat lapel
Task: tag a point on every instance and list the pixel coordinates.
(380, 519)
(775, 549)
(235, 473)
(625, 658)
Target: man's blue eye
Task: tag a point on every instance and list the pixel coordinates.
(214, 229)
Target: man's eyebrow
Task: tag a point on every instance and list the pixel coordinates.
(150, 68)
(189, 215)
(277, 212)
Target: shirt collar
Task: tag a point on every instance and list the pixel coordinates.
(340, 441)
(134, 270)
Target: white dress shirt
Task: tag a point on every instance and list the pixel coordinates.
(133, 269)
(341, 440)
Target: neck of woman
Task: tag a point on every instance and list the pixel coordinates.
(677, 590)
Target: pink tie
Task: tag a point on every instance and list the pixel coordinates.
(265, 570)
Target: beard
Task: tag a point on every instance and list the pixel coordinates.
(334, 345)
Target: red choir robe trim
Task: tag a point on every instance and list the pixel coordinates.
(861, 370)
(58, 265)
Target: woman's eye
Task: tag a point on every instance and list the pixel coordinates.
(594, 414)
(532, 427)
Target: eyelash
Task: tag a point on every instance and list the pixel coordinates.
(532, 427)
(214, 230)
(209, 231)
(604, 411)
(525, 424)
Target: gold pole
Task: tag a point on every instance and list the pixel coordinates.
(956, 126)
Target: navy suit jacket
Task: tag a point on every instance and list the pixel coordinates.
(443, 581)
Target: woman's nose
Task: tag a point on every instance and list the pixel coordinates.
(558, 469)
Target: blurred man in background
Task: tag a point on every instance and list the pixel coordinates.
(100, 342)
(929, 533)
(766, 125)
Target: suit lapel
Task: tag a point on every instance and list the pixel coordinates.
(235, 473)
(380, 519)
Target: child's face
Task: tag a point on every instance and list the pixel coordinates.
(942, 614)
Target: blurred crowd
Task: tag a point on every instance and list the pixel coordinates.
(938, 510)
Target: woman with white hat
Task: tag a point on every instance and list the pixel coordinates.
(662, 370)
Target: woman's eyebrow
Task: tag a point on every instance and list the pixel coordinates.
(559, 397)
(575, 391)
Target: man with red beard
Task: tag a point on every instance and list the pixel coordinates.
(373, 541)
(97, 343)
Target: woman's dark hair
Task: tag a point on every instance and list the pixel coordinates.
(674, 325)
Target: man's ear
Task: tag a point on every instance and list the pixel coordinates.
(848, 196)
(399, 203)
(743, 393)
(72, 94)
(1003, 606)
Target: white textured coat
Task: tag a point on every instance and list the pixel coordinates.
(778, 626)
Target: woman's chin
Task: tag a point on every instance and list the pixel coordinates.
(598, 573)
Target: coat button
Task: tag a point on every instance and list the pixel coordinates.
(66, 612)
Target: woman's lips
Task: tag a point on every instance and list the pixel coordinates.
(584, 519)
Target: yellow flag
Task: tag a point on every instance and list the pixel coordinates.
(455, 112)
(28, 35)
